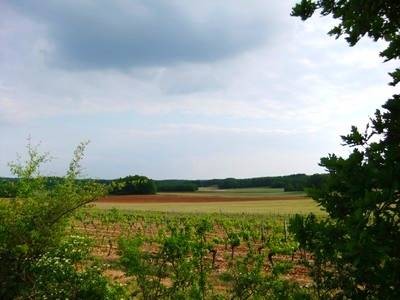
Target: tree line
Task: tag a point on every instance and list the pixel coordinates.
(295, 182)
(142, 185)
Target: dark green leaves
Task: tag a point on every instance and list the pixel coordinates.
(305, 9)
(356, 249)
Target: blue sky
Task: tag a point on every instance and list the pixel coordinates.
(180, 89)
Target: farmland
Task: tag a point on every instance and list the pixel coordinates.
(173, 254)
(204, 244)
(209, 244)
(210, 200)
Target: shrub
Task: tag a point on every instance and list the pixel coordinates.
(32, 229)
(8, 188)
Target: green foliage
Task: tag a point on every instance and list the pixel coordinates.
(356, 250)
(57, 277)
(361, 196)
(179, 256)
(250, 281)
(295, 182)
(179, 259)
(8, 188)
(176, 186)
(133, 185)
(32, 224)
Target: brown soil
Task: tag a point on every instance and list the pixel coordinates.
(189, 198)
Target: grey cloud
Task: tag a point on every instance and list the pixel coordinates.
(120, 34)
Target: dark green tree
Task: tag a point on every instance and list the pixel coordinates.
(356, 249)
(133, 185)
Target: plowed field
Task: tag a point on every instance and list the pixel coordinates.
(190, 198)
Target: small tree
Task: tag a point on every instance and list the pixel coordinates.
(33, 223)
(357, 250)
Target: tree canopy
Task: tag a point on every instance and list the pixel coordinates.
(356, 249)
(131, 185)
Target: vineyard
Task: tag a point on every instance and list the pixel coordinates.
(188, 92)
(201, 256)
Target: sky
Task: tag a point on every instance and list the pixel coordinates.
(180, 89)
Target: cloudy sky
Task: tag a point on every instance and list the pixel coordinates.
(180, 89)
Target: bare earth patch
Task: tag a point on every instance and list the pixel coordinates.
(179, 198)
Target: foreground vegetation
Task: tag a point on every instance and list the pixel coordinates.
(37, 258)
(197, 256)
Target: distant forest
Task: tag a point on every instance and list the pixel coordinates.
(143, 185)
(295, 182)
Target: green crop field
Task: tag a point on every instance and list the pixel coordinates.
(302, 206)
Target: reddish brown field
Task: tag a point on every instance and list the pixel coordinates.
(181, 198)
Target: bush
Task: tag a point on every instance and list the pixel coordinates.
(57, 277)
(32, 230)
(8, 188)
